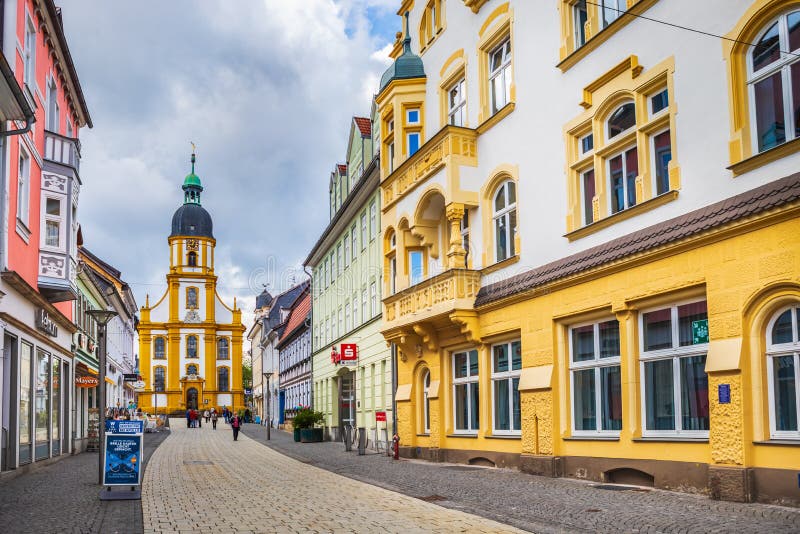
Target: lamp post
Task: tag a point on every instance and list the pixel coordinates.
(268, 394)
(102, 317)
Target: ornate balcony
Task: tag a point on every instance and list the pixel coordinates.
(443, 301)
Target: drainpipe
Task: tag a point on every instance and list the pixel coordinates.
(394, 389)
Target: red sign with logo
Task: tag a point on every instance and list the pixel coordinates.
(349, 354)
(380, 417)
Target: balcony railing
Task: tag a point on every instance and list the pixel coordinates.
(452, 290)
(62, 149)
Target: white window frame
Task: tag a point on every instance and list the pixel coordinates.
(596, 364)
(355, 309)
(502, 71)
(778, 350)
(364, 316)
(505, 213)
(464, 227)
(782, 65)
(654, 162)
(418, 137)
(615, 8)
(53, 110)
(29, 53)
(577, 26)
(339, 258)
(353, 243)
(426, 384)
(346, 247)
(508, 376)
(347, 316)
(373, 299)
(621, 153)
(412, 280)
(390, 155)
(470, 381)
(408, 116)
(59, 219)
(373, 220)
(650, 98)
(623, 133)
(24, 187)
(581, 177)
(675, 354)
(459, 108)
(364, 230)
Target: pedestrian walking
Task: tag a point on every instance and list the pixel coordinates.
(193, 417)
(207, 415)
(214, 418)
(235, 424)
(188, 418)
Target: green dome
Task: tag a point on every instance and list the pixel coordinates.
(192, 179)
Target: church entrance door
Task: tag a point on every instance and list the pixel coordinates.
(191, 398)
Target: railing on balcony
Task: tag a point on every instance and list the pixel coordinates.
(62, 149)
(440, 294)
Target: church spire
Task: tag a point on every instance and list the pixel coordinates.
(191, 185)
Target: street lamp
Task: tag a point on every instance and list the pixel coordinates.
(102, 317)
(268, 394)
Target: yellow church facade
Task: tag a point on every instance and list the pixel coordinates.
(190, 341)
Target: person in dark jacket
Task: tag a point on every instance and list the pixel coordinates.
(236, 423)
(188, 418)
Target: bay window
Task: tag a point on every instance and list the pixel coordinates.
(465, 392)
(674, 343)
(506, 368)
(783, 373)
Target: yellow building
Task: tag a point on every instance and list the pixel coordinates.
(190, 342)
(579, 280)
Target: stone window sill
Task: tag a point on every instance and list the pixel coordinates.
(423, 435)
(779, 442)
(503, 436)
(467, 436)
(638, 209)
(768, 156)
(500, 265)
(591, 438)
(23, 232)
(501, 114)
(669, 439)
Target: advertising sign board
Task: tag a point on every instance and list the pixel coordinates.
(124, 427)
(123, 459)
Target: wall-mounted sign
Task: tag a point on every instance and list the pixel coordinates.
(86, 381)
(349, 354)
(45, 324)
(724, 393)
(700, 331)
(380, 417)
(130, 377)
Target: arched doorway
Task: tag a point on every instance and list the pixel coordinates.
(191, 398)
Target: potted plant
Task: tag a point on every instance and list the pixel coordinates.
(304, 422)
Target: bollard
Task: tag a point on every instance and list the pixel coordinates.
(362, 441)
(348, 444)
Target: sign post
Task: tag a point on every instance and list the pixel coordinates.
(380, 417)
(122, 462)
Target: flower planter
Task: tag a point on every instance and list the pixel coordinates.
(310, 435)
(296, 434)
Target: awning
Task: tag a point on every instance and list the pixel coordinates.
(109, 381)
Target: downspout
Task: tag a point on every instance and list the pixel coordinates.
(394, 389)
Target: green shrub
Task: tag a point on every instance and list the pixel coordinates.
(307, 418)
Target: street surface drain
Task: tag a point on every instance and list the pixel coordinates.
(433, 498)
(198, 462)
(615, 487)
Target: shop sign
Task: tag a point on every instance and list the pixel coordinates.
(248, 391)
(700, 332)
(380, 417)
(114, 426)
(123, 459)
(130, 377)
(139, 384)
(45, 324)
(349, 354)
(86, 381)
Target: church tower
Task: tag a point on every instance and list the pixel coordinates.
(190, 342)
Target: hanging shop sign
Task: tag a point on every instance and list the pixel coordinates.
(45, 324)
(130, 377)
(86, 381)
(139, 384)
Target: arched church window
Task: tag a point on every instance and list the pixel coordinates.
(222, 349)
(191, 297)
(191, 347)
(223, 381)
(160, 348)
(158, 383)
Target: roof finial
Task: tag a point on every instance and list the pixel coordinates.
(194, 149)
(407, 40)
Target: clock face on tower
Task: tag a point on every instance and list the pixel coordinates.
(192, 244)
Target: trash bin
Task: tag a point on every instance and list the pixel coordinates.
(362, 441)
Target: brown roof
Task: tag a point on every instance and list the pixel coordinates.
(772, 195)
(364, 126)
(298, 315)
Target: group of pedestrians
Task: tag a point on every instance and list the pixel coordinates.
(194, 419)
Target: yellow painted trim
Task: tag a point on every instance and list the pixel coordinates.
(458, 54)
(405, 5)
(499, 265)
(498, 11)
(766, 157)
(625, 214)
(630, 63)
(570, 56)
(490, 123)
(475, 5)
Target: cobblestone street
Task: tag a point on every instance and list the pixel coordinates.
(538, 504)
(200, 480)
(63, 497)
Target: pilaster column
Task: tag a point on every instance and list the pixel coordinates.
(456, 254)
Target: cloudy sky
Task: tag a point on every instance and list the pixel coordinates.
(264, 88)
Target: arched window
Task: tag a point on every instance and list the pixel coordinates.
(223, 379)
(222, 349)
(192, 259)
(191, 369)
(783, 370)
(160, 379)
(773, 79)
(505, 220)
(622, 120)
(191, 298)
(191, 347)
(160, 348)
(426, 403)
